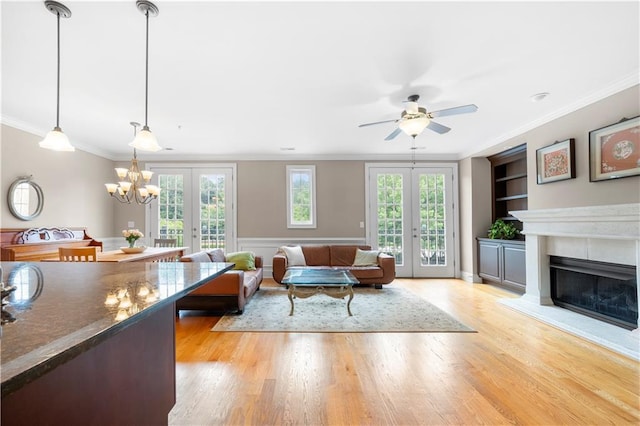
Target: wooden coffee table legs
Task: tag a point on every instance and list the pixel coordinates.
(337, 292)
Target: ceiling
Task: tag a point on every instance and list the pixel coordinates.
(273, 80)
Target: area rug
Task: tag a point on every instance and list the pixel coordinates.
(390, 309)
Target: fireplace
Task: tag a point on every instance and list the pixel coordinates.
(606, 234)
(601, 290)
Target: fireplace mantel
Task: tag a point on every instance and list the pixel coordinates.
(601, 233)
(619, 222)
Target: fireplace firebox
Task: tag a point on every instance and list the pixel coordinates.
(604, 291)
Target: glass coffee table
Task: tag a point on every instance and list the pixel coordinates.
(303, 283)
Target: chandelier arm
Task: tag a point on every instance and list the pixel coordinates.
(121, 198)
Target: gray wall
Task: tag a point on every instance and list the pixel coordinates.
(475, 204)
(75, 195)
(72, 183)
(579, 191)
(262, 199)
(475, 214)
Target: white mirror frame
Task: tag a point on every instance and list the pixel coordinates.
(40, 198)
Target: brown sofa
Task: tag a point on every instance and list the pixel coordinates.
(340, 256)
(229, 292)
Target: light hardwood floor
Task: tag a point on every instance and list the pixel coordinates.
(514, 370)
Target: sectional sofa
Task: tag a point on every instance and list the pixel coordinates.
(229, 292)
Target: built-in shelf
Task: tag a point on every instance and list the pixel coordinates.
(503, 262)
(516, 176)
(512, 197)
(509, 183)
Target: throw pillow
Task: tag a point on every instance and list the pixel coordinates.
(366, 258)
(295, 256)
(244, 260)
(216, 255)
(199, 257)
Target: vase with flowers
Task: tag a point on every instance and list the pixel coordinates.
(132, 235)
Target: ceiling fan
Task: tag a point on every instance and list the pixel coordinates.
(414, 119)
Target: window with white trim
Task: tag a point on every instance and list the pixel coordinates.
(301, 196)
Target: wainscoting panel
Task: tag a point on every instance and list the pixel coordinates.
(267, 247)
(114, 243)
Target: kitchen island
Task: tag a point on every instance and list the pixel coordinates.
(92, 343)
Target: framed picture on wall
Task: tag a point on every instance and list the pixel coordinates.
(614, 150)
(556, 162)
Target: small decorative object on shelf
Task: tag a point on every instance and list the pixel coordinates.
(500, 230)
(132, 235)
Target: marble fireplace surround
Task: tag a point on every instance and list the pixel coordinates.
(600, 233)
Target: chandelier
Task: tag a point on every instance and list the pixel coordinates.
(134, 183)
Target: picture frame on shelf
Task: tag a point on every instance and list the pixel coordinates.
(556, 162)
(614, 150)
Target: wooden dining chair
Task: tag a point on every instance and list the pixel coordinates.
(77, 254)
(165, 242)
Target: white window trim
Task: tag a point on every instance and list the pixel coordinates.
(311, 169)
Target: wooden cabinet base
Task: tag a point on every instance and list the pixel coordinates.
(127, 379)
(503, 262)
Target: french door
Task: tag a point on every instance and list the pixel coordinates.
(411, 216)
(196, 206)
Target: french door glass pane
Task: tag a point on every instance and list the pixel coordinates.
(390, 215)
(171, 207)
(212, 211)
(432, 219)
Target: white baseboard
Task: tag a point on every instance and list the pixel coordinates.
(470, 277)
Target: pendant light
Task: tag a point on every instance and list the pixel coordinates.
(56, 140)
(145, 140)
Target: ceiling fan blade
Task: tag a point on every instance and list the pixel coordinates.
(378, 122)
(393, 134)
(438, 128)
(464, 109)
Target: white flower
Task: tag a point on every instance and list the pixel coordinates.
(132, 234)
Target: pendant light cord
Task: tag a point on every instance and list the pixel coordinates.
(146, 76)
(58, 83)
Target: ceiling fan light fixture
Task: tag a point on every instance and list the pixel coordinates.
(412, 108)
(413, 126)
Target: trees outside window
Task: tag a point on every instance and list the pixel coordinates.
(301, 196)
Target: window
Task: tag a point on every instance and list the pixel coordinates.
(301, 196)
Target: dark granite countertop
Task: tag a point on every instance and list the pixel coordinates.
(60, 310)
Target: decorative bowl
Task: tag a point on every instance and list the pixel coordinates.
(131, 250)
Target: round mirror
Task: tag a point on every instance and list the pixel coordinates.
(25, 198)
